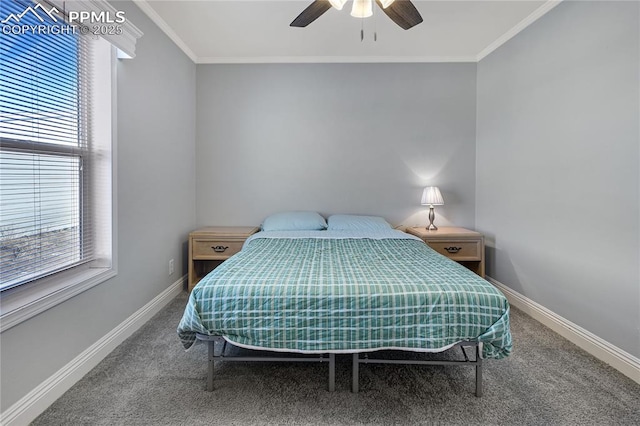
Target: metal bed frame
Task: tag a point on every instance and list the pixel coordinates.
(476, 361)
(213, 357)
(331, 359)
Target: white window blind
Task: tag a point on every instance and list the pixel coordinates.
(45, 151)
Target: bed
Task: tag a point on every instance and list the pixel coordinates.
(318, 293)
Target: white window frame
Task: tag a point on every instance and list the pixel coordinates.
(25, 301)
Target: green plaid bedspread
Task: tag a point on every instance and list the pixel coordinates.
(346, 295)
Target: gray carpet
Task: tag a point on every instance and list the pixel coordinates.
(150, 380)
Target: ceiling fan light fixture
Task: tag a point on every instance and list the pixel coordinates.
(339, 3)
(403, 12)
(362, 8)
(386, 3)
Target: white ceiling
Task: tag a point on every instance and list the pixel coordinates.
(258, 31)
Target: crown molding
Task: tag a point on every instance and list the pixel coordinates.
(537, 14)
(329, 59)
(166, 28)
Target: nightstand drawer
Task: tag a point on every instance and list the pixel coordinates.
(458, 250)
(215, 249)
(212, 245)
(459, 244)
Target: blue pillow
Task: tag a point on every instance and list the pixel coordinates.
(294, 221)
(347, 222)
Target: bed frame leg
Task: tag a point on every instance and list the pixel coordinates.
(211, 344)
(354, 368)
(478, 371)
(332, 372)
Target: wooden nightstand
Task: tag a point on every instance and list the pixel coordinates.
(462, 245)
(208, 247)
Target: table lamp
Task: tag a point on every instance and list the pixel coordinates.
(431, 196)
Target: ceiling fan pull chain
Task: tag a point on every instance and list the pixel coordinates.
(375, 25)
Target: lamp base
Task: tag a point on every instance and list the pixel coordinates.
(432, 216)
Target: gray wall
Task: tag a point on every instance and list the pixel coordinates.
(336, 138)
(557, 179)
(156, 210)
(557, 166)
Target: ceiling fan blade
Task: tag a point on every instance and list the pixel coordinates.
(311, 13)
(403, 13)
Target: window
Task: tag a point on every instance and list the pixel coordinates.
(44, 158)
(56, 233)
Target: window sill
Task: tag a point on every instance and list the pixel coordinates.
(24, 302)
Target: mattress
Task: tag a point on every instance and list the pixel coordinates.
(345, 292)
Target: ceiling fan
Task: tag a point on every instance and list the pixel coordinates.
(402, 12)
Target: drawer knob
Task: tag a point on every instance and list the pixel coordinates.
(453, 249)
(219, 249)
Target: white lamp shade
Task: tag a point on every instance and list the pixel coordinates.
(431, 196)
(362, 8)
(338, 3)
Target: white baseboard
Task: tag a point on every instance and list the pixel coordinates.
(622, 361)
(39, 399)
